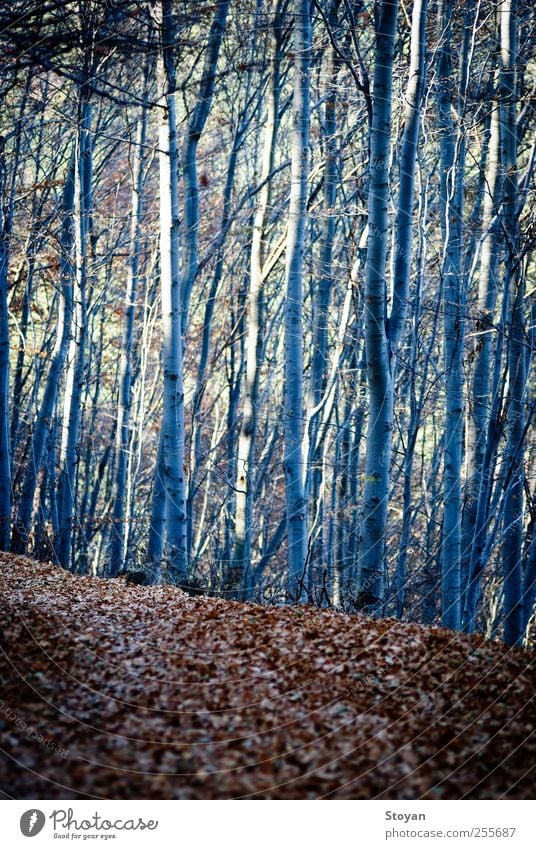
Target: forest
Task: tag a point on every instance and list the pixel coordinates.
(267, 373)
(266, 311)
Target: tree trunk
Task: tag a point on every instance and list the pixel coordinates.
(119, 529)
(173, 399)
(77, 353)
(513, 510)
(45, 416)
(313, 452)
(408, 156)
(478, 479)
(254, 342)
(5, 454)
(157, 528)
(451, 211)
(194, 130)
(293, 397)
(380, 413)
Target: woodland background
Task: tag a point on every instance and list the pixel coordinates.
(266, 300)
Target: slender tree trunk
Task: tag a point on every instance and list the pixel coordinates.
(34, 245)
(211, 302)
(45, 416)
(313, 452)
(77, 353)
(7, 207)
(173, 466)
(513, 510)
(254, 342)
(408, 157)
(119, 529)
(157, 528)
(451, 212)
(194, 130)
(5, 454)
(380, 414)
(293, 398)
(86, 525)
(484, 509)
(236, 368)
(529, 583)
(478, 422)
(402, 260)
(416, 402)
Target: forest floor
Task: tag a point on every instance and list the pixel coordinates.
(115, 691)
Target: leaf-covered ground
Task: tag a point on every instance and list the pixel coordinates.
(116, 691)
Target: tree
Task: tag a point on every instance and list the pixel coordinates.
(270, 330)
(45, 416)
(293, 404)
(403, 254)
(119, 531)
(241, 568)
(451, 201)
(5, 454)
(172, 467)
(76, 372)
(513, 511)
(378, 452)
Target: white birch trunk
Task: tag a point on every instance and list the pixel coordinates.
(173, 399)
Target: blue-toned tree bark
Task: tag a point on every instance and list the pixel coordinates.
(483, 431)
(371, 577)
(451, 207)
(408, 157)
(321, 299)
(194, 129)
(211, 299)
(7, 208)
(157, 526)
(119, 530)
(514, 282)
(293, 398)
(239, 572)
(45, 415)
(402, 261)
(5, 452)
(77, 353)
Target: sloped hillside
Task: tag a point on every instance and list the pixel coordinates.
(116, 691)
